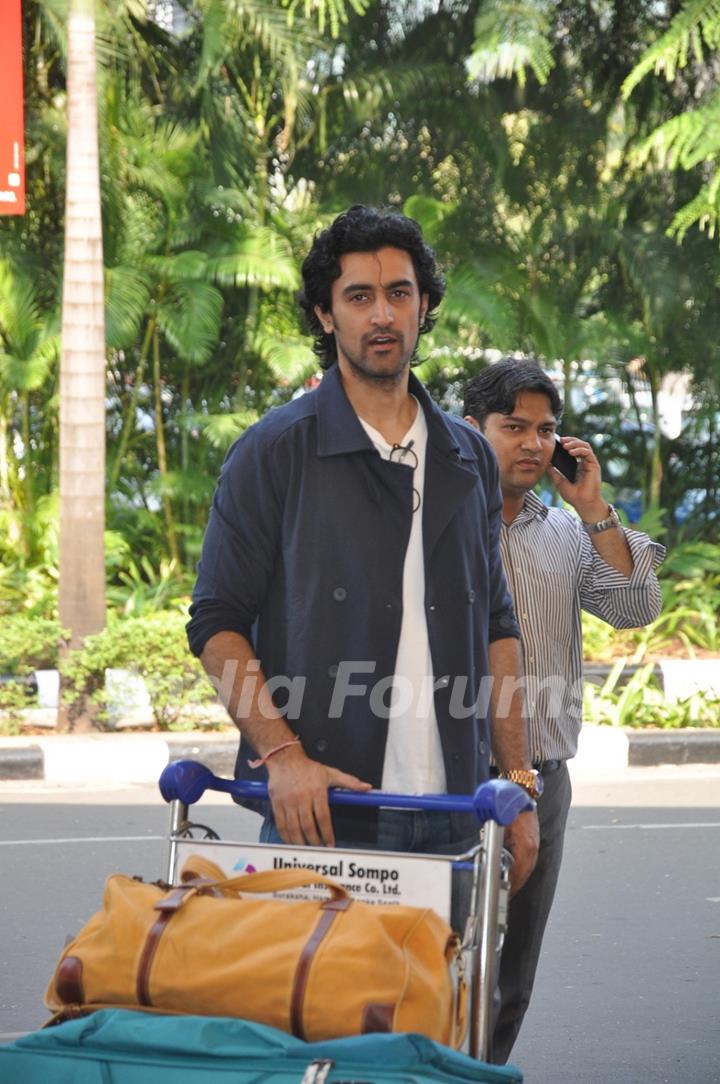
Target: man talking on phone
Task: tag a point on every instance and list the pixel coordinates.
(556, 564)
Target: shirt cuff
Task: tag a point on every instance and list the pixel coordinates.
(646, 555)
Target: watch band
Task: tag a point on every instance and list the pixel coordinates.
(527, 778)
(611, 520)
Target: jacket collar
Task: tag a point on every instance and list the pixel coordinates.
(340, 430)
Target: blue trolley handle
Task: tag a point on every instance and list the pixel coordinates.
(498, 800)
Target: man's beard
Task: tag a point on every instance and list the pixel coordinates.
(363, 369)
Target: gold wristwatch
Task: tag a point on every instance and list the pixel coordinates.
(527, 778)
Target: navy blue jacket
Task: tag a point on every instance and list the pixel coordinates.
(304, 555)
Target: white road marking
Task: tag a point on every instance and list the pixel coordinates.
(683, 824)
(81, 839)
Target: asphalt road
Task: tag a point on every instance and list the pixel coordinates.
(628, 990)
(629, 986)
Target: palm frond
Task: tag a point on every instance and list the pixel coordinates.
(141, 228)
(258, 257)
(160, 159)
(697, 24)
(544, 326)
(227, 23)
(685, 140)
(703, 210)
(222, 429)
(127, 295)
(19, 310)
(289, 358)
(189, 318)
(187, 266)
(472, 299)
(29, 373)
(510, 37)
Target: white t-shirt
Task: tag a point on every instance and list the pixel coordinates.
(413, 755)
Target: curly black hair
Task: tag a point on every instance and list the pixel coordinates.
(363, 229)
(496, 388)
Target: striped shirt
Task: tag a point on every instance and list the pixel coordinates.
(553, 572)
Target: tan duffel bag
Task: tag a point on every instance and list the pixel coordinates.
(319, 969)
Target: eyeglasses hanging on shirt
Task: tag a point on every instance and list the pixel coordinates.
(405, 453)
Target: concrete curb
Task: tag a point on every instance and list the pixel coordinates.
(673, 747)
(140, 758)
(111, 758)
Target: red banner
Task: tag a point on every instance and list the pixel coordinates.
(12, 149)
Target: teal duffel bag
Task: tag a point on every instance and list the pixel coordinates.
(119, 1046)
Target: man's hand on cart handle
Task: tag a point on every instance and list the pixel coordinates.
(522, 838)
(298, 789)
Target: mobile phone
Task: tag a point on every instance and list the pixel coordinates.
(563, 461)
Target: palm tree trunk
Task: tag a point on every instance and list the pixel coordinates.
(82, 363)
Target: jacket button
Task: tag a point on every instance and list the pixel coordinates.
(481, 747)
(339, 594)
(432, 608)
(332, 670)
(321, 745)
(456, 757)
(443, 682)
(471, 597)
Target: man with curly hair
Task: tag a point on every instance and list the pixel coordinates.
(350, 598)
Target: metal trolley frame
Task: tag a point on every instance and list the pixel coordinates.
(495, 804)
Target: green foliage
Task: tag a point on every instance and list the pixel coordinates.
(695, 27)
(31, 591)
(509, 38)
(15, 699)
(332, 12)
(28, 643)
(642, 703)
(689, 140)
(138, 588)
(153, 647)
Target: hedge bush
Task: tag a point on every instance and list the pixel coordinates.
(155, 648)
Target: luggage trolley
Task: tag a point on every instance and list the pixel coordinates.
(396, 876)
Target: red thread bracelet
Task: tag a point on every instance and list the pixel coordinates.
(259, 763)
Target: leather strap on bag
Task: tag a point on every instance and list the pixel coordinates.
(330, 909)
(167, 907)
(272, 880)
(264, 881)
